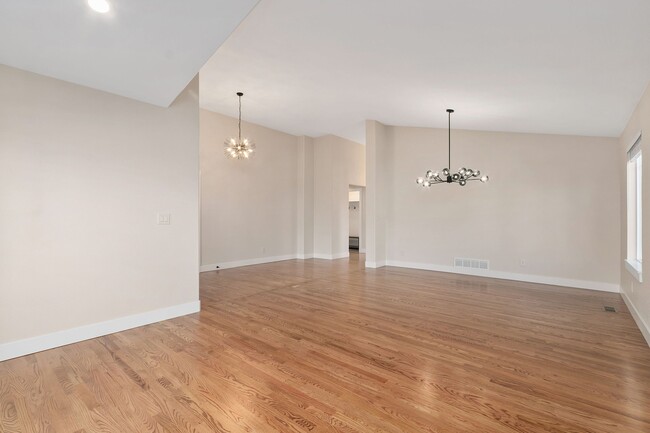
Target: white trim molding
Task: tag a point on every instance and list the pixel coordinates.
(262, 260)
(18, 348)
(540, 279)
(375, 265)
(643, 326)
(635, 268)
(334, 256)
(246, 262)
(637, 137)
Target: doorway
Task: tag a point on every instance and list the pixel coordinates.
(356, 227)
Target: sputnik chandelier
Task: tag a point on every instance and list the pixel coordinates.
(238, 148)
(461, 177)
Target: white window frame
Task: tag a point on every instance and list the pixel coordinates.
(634, 206)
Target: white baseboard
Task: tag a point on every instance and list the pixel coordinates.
(375, 265)
(247, 262)
(643, 326)
(262, 260)
(18, 348)
(335, 256)
(540, 279)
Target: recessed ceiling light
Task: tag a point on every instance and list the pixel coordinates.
(101, 6)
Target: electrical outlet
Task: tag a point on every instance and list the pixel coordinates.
(164, 219)
(263, 249)
(522, 262)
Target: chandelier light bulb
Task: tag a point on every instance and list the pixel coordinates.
(462, 176)
(238, 148)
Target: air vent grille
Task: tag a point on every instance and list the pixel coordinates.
(471, 263)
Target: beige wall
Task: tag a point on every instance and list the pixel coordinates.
(305, 198)
(552, 201)
(292, 196)
(636, 294)
(338, 163)
(355, 218)
(377, 180)
(248, 207)
(83, 175)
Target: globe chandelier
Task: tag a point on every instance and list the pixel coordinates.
(238, 148)
(461, 177)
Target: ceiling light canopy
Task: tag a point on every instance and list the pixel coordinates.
(461, 177)
(238, 148)
(101, 6)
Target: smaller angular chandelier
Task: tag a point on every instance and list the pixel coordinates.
(461, 177)
(238, 148)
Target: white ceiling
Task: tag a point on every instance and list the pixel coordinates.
(147, 50)
(544, 66)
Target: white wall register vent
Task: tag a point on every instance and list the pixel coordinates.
(471, 263)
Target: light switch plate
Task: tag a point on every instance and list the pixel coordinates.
(164, 219)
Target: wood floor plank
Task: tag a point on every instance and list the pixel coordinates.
(329, 346)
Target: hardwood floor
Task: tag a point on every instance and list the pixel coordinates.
(327, 346)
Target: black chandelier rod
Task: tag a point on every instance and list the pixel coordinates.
(240, 94)
(449, 111)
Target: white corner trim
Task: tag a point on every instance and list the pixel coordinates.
(247, 262)
(332, 256)
(262, 260)
(643, 326)
(18, 348)
(375, 265)
(540, 279)
(637, 137)
(634, 268)
(362, 250)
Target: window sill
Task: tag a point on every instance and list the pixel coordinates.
(634, 268)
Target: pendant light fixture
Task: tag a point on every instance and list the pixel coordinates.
(461, 177)
(238, 148)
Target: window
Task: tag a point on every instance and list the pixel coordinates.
(634, 260)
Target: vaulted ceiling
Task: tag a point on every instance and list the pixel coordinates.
(147, 50)
(323, 67)
(544, 66)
